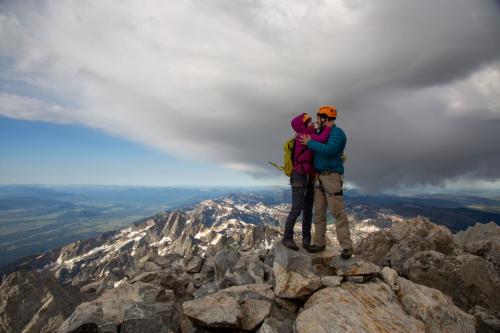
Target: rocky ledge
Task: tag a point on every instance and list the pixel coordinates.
(400, 280)
(281, 291)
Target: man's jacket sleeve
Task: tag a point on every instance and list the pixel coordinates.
(331, 147)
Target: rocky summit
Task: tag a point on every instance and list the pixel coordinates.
(219, 267)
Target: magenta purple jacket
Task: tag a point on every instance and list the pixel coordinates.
(303, 157)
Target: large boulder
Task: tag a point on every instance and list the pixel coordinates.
(218, 310)
(129, 306)
(194, 265)
(390, 277)
(434, 308)
(253, 266)
(150, 318)
(237, 308)
(294, 274)
(488, 320)
(361, 308)
(470, 280)
(207, 289)
(32, 302)
(482, 240)
(354, 267)
(165, 279)
(405, 238)
(281, 318)
(223, 261)
(248, 270)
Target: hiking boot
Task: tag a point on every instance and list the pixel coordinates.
(289, 243)
(346, 253)
(308, 247)
(314, 248)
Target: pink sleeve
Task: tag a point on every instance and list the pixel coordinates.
(323, 136)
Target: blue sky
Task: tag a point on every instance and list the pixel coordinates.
(35, 152)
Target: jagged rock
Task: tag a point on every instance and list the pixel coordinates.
(262, 254)
(478, 232)
(150, 318)
(198, 280)
(31, 302)
(88, 317)
(321, 261)
(294, 274)
(166, 295)
(469, 279)
(93, 289)
(208, 269)
(237, 278)
(390, 277)
(190, 289)
(254, 311)
(488, 320)
(361, 308)
(163, 278)
(253, 266)
(248, 270)
(207, 289)
(218, 310)
(331, 281)
(273, 325)
(219, 243)
(403, 240)
(170, 260)
(281, 318)
(354, 267)
(287, 305)
(225, 260)
(482, 240)
(149, 266)
(239, 307)
(128, 306)
(194, 265)
(269, 260)
(434, 308)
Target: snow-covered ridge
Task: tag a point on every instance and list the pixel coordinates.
(202, 229)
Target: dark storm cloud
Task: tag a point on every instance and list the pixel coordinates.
(417, 83)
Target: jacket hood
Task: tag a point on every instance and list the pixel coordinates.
(298, 124)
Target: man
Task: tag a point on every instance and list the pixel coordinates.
(328, 194)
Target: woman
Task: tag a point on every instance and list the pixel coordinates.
(302, 181)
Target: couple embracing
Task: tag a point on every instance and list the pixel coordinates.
(318, 156)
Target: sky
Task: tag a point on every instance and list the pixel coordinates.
(186, 92)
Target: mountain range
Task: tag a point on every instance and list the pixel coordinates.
(35, 219)
(217, 266)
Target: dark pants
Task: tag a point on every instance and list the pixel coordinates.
(302, 202)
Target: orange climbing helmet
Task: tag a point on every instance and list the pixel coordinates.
(329, 110)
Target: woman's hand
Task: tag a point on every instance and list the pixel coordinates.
(305, 139)
(330, 123)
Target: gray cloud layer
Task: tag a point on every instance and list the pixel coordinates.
(417, 83)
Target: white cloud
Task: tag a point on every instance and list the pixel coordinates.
(477, 95)
(221, 80)
(26, 108)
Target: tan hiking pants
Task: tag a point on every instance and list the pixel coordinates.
(329, 195)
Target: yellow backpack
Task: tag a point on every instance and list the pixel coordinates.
(288, 152)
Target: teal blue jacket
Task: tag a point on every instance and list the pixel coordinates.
(327, 156)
